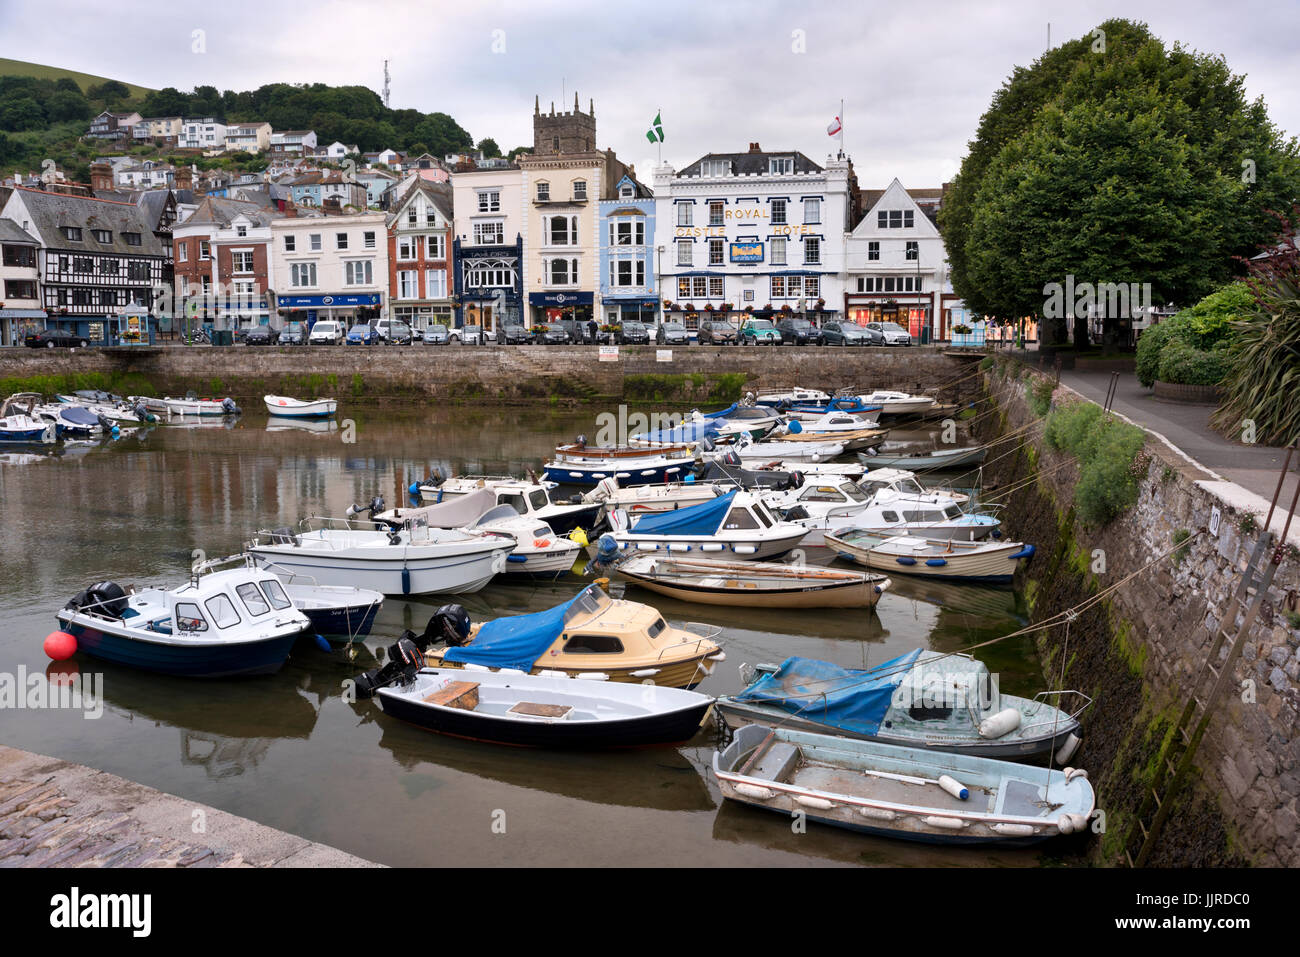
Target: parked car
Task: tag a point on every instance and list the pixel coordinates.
(395, 332)
(436, 335)
(363, 334)
(553, 334)
(717, 332)
(632, 333)
(759, 332)
(260, 336)
(891, 333)
(469, 335)
(49, 338)
(672, 334)
(513, 334)
(326, 332)
(846, 334)
(576, 330)
(799, 332)
(293, 334)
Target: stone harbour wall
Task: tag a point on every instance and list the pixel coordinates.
(1139, 652)
(505, 374)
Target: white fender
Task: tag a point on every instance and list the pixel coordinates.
(1072, 742)
(1004, 722)
(954, 787)
(1069, 823)
(948, 823)
(1013, 830)
(808, 800)
(877, 813)
(1072, 773)
(753, 791)
(592, 676)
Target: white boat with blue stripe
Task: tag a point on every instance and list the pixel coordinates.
(735, 525)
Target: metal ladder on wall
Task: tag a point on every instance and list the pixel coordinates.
(1179, 749)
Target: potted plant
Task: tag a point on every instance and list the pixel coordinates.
(821, 305)
(962, 330)
(708, 307)
(749, 310)
(786, 310)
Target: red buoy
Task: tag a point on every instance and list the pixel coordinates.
(60, 645)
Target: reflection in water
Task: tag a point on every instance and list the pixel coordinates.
(290, 751)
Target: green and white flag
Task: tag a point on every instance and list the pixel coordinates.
(656, 132)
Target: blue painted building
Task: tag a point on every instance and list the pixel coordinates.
(627, 255)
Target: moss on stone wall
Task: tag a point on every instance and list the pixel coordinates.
(119, 383)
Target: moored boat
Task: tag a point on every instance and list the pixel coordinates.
(899, 403)
(907, 793)
(737, 524)
(590, 635)
(923, 699)
(925, 461)
(191, 405)
(227, 623)
(545, 711)
(751, 584)
(540, 501)
(928, 557)
(581, 464)
(283, 405)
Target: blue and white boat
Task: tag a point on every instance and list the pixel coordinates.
(812, 411)
(227, 623)
(923, 699)
(735, 525)
(20, 422)
(909, 793)
(581, 464)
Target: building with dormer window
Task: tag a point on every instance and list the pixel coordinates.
(760, 231)
(627, 254)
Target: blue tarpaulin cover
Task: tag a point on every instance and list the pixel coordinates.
(842, 698)
(702, 519)
(687, 431)
(515, 642)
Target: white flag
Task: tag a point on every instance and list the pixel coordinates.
(834, 127)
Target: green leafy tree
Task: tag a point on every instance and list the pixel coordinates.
(1119, 161)
(110, 92)
(488, 147)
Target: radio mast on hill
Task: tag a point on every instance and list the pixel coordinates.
(385, 84)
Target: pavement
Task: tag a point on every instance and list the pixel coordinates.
(1187, 425)
(57, 814)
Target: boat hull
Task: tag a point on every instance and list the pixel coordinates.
(282, 407)
(673, 727)
(996, 566)
(199, 660)
(684, 673)
(740, 549)
(837, 595)
(574, 474)
(400, 575)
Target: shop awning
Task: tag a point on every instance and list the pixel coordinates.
(23, 314)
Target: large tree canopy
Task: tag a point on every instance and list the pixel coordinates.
(1113, 159)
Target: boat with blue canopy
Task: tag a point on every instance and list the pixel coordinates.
(923, 699)
(737, 524)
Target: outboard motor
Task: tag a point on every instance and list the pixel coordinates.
(607, 556)
(796, 480)
(375, 506)
(228, 406)
(102, 598)
(449, 624)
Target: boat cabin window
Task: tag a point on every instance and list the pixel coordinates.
(252, 599)
(910, 486)
(761, 511)
(657, 629)
(188, 618)
(275, 592)
(952, 511)
(889, 516)
(871, 488)
(821, 493)
(853, 493)
(543, 531)
(222, 610)
(921, 515)
(538, 499)
(740, 518)
(593, 645)
(514, 501)
(592, 600)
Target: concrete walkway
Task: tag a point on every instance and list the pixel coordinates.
(56, 814)
(1253, 467)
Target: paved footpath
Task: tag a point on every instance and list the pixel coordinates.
(1253, 467)
(57, 814)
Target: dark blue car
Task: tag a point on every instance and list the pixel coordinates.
(362, 334)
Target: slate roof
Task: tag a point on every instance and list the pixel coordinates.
(221, 212)
(438, 193)
(11, 232)
(749, 164)
(50, 211)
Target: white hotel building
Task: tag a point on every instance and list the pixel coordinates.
(756, 229)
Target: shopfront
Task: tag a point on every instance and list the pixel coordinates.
(17, 324)
(344, 308)
(556, 306)
(620, 309)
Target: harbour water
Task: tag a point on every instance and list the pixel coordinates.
(290, 751)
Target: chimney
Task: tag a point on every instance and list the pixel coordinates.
(184, 177)
(101, 177)
(290, 210)
(755, 148)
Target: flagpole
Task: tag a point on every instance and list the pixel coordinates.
(841, 126)
(659, 144)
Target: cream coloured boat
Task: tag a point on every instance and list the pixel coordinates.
(590, 636)
(752, 584)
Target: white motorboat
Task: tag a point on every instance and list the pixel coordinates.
(791, 452)
(283, 405)
(737, 524)
(644, 499)
(925, 516)
(537, 500)
(796, 395)
(831, 423)
(819, 505)
(20, 422)
(191, 405)
(899, 403)
(412, 559)
(904, 482)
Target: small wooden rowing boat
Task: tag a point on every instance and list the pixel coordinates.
(753, 584)
(929, 557)
(906, 793)
(284, 405)
(546, 712)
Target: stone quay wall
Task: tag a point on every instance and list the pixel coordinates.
(1139, 653)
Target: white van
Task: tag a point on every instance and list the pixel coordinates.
(326, 332)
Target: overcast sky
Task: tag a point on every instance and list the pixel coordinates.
(914, 77)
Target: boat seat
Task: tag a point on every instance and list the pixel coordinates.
(776, 763)
(455, 694)
(531, 709)
(161, 625)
